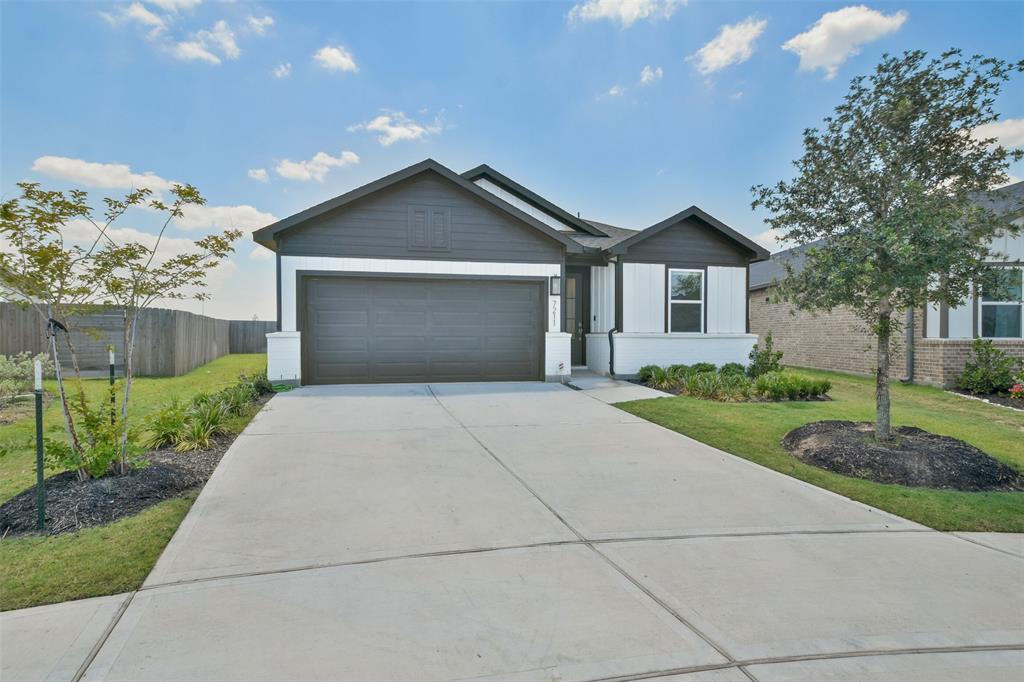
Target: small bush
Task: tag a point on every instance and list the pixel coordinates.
(777, 386)
(679, 372)
(733, 368)
(99, 437)
(704, 385)
(237, 398)
(764, 360)
(166, 425)
(989, 370)
(17, 374)
(703, 367)
(661, 379)
(205, 420)
(734, 386)
(259, 383)
(645, 373)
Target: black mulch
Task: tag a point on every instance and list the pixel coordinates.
(73, 505)
(914, 457)
(997, 398)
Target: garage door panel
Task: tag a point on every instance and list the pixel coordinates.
(396, 330)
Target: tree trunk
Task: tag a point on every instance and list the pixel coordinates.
(129, 347)
(69, 422)
(882, 401)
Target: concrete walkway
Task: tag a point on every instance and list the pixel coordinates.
(529, 532)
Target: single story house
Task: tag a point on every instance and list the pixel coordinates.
(938, 339)
(429, 275)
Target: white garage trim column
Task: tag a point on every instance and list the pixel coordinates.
(284, 357)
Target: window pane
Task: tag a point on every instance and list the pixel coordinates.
(686, 286)
(685, 317)
(1007, 287)
(1000, 321)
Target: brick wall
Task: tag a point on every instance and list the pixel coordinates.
(840, 341)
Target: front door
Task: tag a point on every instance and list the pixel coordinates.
(577, 288)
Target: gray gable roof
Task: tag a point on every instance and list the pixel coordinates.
(623, 245)
(267, 236)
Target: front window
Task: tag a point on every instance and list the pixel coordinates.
(686, 301)
(1002, 307)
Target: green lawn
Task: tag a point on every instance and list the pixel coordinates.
(108, 559)
(753, 431)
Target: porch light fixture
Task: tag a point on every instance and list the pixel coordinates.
(555, 285)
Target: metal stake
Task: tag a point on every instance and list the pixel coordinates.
(40, 489)
(112, 401)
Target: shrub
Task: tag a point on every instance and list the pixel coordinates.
(734, 386)
(99, 437)
(17, 374)
(166, 425)
(661, 379)
(1017, 390)
(703, 367)
(988, 370)
(645, 373)
(205, 420)
(733, 368)
(235, 399)
(259, 384)
(704, 385)
(679, 372)
(764, 360)
(780, 386)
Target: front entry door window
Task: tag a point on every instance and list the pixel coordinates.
(574, 315)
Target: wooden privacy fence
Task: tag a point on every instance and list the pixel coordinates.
(168, 342)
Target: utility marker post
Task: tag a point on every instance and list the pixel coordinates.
(110, 351)
(40, 490)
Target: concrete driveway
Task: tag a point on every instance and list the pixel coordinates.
(533, 532)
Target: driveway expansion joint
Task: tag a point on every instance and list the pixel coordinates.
(95, 650)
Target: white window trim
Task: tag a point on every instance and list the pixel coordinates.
(981, 309)
(703, 299)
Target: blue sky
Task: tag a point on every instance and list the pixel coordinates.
(240, 99)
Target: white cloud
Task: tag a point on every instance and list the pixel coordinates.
(201, 46)
(243, 217)
(191, 50)
(734, 44)
(175, 5)
(650, 75)
(137, 13)
(282, 70)
(259, 25)
(736, 96)
(771, 240)
(261, 253)
(221, 38)
(335, 58)
(91, 174)
(258, 174)
(616, 91)
(395, 126)
(81, 232)
(1009, 132)
(838, 35)
(316, 168)
(623, 12)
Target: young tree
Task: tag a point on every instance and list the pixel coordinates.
(133, 275)
(43, 269)
(891, 184)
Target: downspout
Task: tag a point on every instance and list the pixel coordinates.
(611, 352)
(909, 352)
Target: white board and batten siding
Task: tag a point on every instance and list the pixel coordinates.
(726, 300)
(643, 297)
(602, 298)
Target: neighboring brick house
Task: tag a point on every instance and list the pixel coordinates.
(941, 338)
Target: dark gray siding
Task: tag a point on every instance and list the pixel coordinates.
(377, 226)
(689, 241)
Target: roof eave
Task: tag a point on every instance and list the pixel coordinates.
(527, 195)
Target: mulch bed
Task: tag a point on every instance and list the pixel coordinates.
(72, 505)
(914, 457)
(997, 398)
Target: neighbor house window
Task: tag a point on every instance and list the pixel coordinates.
(686, 301)
(1002, 307)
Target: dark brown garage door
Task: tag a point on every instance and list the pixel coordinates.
(369, 330)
